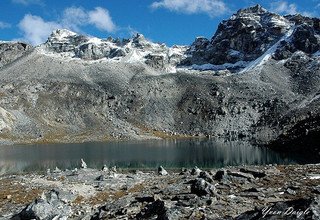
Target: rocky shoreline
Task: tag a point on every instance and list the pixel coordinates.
(243, 192)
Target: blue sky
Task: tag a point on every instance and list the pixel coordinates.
(166, 21)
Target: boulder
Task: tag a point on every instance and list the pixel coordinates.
(240, 175)
(200, 187)
(206, 176)
(254, 173)
(48, 207)
(157, 208)
(83, 164)
(100, 178)
(162, 171)
(195, 171)
(220, 175)
(105, 168)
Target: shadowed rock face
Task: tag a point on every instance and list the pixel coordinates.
(243, 37)
(305, 37)
(251, 32)
(77, 88)
(303, 137)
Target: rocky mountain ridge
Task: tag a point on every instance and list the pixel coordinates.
(257, 78)
(136, 49)
(251, 32)
(243, 37)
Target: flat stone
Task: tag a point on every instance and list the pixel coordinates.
(240, 175)
(254, 173)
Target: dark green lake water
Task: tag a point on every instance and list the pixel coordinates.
(138, 154)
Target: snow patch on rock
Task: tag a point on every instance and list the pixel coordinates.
(268, 54)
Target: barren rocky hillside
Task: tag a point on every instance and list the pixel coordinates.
(257, 78)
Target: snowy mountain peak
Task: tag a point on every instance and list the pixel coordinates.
(139, 37)
(249, 38)
(62, 34)
(247, 35)
(257, 17)
(67, 44)
(257, 9)
(139, 40)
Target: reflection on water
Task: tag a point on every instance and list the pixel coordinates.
(137, 154)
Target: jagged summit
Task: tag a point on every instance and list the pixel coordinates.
(69, 37)
(138, 37)
(257, 9)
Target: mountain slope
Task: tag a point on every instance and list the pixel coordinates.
(261, 82)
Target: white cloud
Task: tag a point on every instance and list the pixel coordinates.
(28, 2)
(284, 7)
(101, 18)
(210, 7)
(4, 25)
(74, 17)
(132, 31)
(36, 30)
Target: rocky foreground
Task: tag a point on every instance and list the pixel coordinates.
(248, 192)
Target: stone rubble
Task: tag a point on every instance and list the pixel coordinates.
(244, 192)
